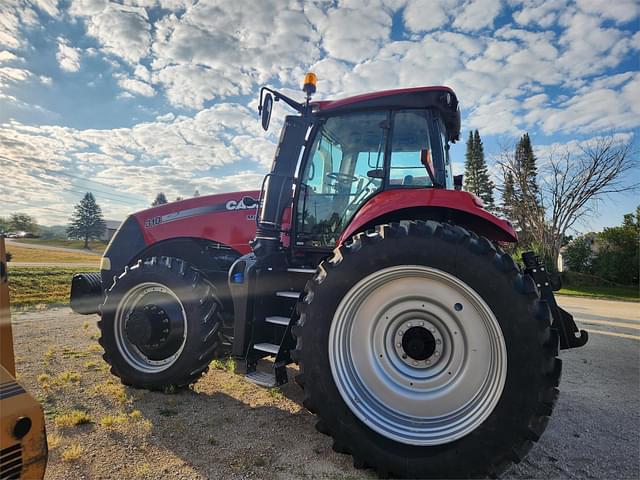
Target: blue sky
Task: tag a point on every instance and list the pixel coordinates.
(133, 97)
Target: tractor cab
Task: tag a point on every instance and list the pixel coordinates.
(337, 155)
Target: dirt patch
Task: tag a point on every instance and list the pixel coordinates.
(223, 428)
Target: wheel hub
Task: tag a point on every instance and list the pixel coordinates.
(418, 343)
(150, 327)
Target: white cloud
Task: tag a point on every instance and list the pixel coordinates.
(68, 57)
(6, 56)
(172, 154)
(594, 110)
(136, 86)
(123, 31)
(477, 14)
(425, 15)
(621, 11)
(541, 12)
(342, 32)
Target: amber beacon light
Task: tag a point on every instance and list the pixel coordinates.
(310, 82)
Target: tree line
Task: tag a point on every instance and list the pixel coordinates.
(545, 208)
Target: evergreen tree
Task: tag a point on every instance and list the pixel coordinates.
(526, 162)
(86, 221)
(521, 194)
(476, 175)
(161, 199)
(470, 174)
(507, 196)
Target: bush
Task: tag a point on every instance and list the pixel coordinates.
(578, 255)
(619, 257)
(9, 256)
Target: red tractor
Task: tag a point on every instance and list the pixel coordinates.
(423, 349)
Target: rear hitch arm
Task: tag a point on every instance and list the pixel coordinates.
(570, 335)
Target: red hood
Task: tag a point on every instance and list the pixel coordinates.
(222, 218)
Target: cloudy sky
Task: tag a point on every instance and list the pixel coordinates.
(133, 97)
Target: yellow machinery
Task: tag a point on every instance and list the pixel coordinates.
(23, 440)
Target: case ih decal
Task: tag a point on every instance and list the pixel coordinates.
(194, 212)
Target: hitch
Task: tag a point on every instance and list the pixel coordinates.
(570, 335)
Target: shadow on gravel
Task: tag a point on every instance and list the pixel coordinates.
(231, 433)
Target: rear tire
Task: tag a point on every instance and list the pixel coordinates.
(524, 399)
(160, 324)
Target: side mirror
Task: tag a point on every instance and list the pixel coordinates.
(265, 110)
(457, 182)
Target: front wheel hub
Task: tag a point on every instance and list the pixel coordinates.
(417, 355)
(150, 327)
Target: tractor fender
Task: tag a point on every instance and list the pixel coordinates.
(462, 208)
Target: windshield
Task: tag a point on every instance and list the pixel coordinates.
(344, 167)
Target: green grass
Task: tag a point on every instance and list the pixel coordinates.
(36, 255)
(627, 293)
(95, 246)
(29, 286)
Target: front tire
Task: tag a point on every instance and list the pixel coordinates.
(160, 324)
(384, 368)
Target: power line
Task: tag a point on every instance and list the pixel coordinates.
(125, 196)
(117, 200)
(35, 207)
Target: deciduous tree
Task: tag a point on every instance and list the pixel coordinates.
(573, 181)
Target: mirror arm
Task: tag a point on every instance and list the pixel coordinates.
(279, 96)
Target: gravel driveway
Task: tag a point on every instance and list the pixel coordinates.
(228, 428)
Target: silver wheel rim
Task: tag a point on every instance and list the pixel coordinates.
(130, 352)
(417, 401)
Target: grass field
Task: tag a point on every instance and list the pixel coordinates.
(627, 293)
(22, 254)
(32, 286)
(79, 244)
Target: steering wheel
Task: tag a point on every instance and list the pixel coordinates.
(342, 177)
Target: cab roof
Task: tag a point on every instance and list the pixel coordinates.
(439, 98)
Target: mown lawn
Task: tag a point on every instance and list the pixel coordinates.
(627, 293)
(23, 254)
(31, 286)
(97, 247)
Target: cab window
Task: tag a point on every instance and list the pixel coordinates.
(343, 169)
(410, 150)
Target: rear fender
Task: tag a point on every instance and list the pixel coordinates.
(457, 207)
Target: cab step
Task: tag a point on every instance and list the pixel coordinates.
(308, 271)
(288, 294)
(262, 379)
(276, 320)
(267, 347)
